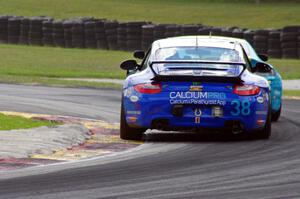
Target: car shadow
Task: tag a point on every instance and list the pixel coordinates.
(206, 136)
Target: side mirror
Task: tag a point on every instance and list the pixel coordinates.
(129, 65)
(139, 54)
(262, 68)
(263, 57)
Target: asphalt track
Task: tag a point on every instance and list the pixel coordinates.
(166, 166)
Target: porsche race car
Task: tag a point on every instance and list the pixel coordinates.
(194, 82)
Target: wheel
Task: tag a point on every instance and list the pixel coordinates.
(127, 132)
(265, 133)
(276, 115)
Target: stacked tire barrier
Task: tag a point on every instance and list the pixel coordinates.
(111, 32)
(48, 33)
(289, 44)
(189, 30)
(173, 30)
(35, 36)
(134, 35)
(3, 28)
(78, 34)
(101, 35)
(90, 34)
(147, 35)
(249, 36)
(24, 31)
(13, 30)
(58, 34)
(159, 31)
(114, 35)
(274, 44)
(67, 28)
(260, 41)
(122, 36)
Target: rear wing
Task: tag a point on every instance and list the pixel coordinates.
(195, 77)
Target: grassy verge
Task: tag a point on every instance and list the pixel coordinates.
(17, 122)
(17, 60)
(242, 13)
(43, 81)
(37, 64)
(291, 93)
(288, 68)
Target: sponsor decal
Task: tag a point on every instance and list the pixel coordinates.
(217, 111)
(197, 112)
(134, 98)
(198, 95)
(260, 99)
(134, 112)
(196, 83)
(132, 119)
(261, 112)
(127, 92)
(240, 108)
(196, 88)
(202, 98)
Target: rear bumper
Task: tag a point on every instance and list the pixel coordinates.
(176, 123)
(157, 113)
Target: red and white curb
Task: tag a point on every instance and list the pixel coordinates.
(104, 139)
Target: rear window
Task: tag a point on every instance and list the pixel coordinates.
(197, 54)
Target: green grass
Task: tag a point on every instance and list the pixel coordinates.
(44, 65)
(17, 122)
(17, 60)
(242, 13)
(42, 81)
(288, 68)
(291, 93)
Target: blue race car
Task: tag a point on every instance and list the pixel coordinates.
(194, 83)
(271, 75)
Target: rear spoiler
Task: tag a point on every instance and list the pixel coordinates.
(161, 78)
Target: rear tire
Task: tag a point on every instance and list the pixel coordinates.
(276, 115)
(265, 133)
(127, 132)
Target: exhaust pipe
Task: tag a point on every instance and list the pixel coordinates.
(160, 124)
(237, 129)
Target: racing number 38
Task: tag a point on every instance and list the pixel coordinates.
(240, 107)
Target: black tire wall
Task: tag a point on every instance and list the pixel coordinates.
(94, 33)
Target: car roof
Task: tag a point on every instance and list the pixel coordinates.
(207, 41)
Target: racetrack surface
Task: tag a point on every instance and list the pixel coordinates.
(193, 167)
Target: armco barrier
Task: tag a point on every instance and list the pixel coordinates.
(106, 34)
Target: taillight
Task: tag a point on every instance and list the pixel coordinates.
(148, 88)
(246, 89)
